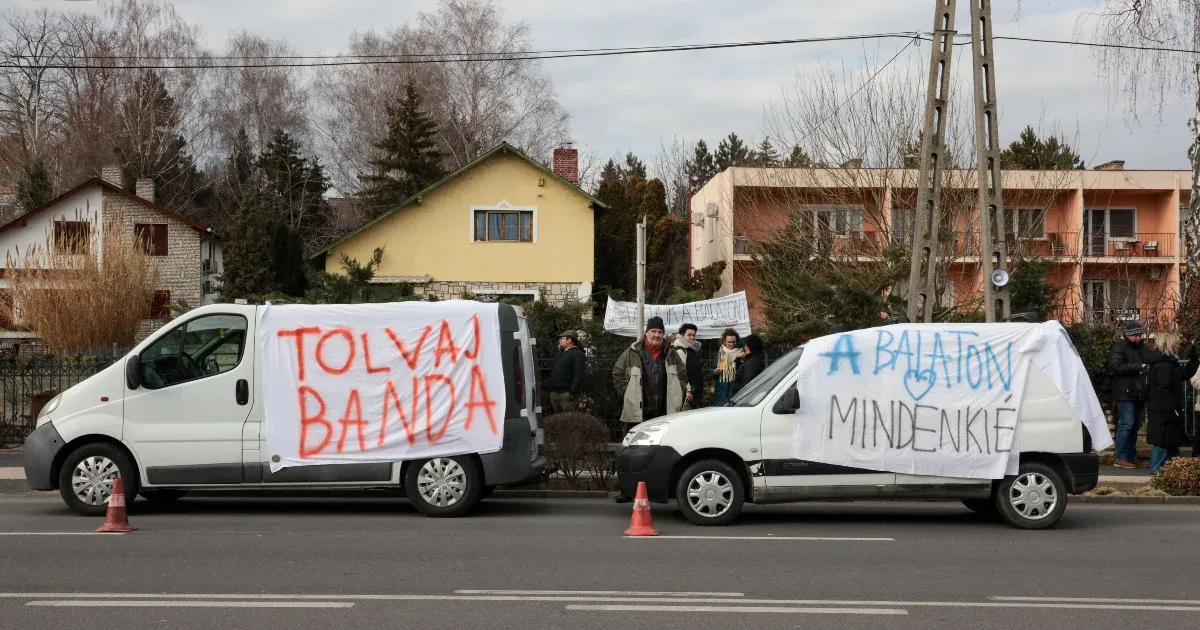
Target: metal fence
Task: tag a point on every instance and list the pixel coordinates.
(22, 379)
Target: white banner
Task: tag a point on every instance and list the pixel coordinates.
(711, 317)
(933, 399)
(381, 382)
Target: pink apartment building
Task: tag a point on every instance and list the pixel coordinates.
(1112, 235)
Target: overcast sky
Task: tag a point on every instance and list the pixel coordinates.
(636, 103)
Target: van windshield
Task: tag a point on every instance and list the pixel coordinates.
(756, 390)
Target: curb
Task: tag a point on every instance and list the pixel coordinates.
(551, 494)
(1110, 499)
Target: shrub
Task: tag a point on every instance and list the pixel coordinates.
(577, 446)
(1179, 477)
(81, 300)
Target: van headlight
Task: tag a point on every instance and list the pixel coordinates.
(50, 406)
(647, 435)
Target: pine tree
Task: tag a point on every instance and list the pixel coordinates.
(35, 187)
(249, 245)
(731, 152)
(798, 158)
(295, 188)
(1031, 152)
(151, 144)
(765, 154)
(408, 159)
(701, 167)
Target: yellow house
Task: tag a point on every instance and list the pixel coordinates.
(503, 225)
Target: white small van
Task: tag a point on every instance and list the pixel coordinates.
(712, 461)
(183, 411)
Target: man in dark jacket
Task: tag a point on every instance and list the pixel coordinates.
(686, 342)
(566, 374)
(1126, 362)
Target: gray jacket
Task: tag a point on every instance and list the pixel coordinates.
(629, 377)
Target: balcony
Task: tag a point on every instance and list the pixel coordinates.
(1139, 245)
(825, 243)
(1156, 319)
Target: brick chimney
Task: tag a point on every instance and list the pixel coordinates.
(566, 163)
(111, 173)
(1114, 165)
(144, 188)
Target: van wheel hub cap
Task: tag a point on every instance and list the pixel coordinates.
(92, 480)
(1033, 496)
(442, 482)
(710, 494)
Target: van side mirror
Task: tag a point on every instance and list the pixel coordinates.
(133, 372)
(788, 403)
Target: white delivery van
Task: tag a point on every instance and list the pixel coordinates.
(183, 411)
(712, 461)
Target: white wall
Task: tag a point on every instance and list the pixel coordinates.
(84, 205)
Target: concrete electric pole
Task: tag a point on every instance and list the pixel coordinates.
(641, 276)
(994, 249)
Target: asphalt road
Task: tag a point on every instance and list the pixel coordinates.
(318, 563)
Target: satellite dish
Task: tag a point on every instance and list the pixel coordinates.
(999, 277)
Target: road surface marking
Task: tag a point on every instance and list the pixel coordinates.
(1099, 600)
(60, 533)
(12, 473)
(740, 609)
(823, 538)
(167, 603)
(592, 599)
(625, 593)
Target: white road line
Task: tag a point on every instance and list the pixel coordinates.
(823, 538)
(166, 603)
(59, 534)
(1099, 600)
(617, 593)
(12, 473)
(741, 609)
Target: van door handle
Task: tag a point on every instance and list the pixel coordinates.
(242, 391)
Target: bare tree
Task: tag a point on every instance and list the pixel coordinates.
(32, 96)
(259, 100)
(1148, 80)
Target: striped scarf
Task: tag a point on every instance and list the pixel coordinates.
(726, 361)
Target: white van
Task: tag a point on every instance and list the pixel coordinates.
(183, 411)
(713, 460)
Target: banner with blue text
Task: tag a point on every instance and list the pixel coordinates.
(934, 399)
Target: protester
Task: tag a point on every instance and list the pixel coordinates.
(686, 342)
(753, 361)
(567, 372)
(1164, 401)
(1127, 363)
(653, 381)
(725, 369)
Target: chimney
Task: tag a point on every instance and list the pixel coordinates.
(111, 173)
(855, 163)
(144, 188)
(566, 163)
(1114, 165)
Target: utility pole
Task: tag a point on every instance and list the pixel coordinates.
(994, 247)
(641, 276)
(923, 273)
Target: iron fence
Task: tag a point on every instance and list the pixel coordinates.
(22, 379)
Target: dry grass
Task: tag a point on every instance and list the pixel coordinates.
(1102, 491)
(79, 303)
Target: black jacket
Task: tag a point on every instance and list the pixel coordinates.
(1164, 401)
(1125, 364)
(695, 376)
(751, 367)
(567, 371)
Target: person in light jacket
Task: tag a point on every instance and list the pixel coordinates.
(686, 343)
(652, 379)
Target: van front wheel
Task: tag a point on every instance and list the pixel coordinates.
(86, 478)
(710, 492)
(1034, 499)
(444, 486)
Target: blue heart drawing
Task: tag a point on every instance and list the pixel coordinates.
(919, 384)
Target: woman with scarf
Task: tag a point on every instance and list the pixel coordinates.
(687, 344)
(1164, 401)
(726, 367)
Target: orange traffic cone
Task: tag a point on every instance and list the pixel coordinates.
(115, 521)
(639, 523)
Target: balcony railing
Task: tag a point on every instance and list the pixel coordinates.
(1130, 245)
(827, 242)
(1152, 318)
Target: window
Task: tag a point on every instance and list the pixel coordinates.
(160, 307)
(503, 226)
(1122, 222)
(152, 237)
(72, 237)
(1025, 222)
(836, 219)
(203, 347)
(903, 220)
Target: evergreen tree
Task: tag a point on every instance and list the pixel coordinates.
(765, 154)
(701, 167)
(151, 144)
(35, 187)
(1034, 153)
(249, 245)
(295, 188)
(798, 158)
(731, 152)
(408, 159)
(634, 167)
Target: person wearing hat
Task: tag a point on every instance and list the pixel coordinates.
(567, 372)
(1127, 362)
(652, 379)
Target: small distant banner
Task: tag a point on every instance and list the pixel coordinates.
(711, 317)
(381, 382)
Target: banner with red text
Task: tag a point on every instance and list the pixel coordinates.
(381, 382)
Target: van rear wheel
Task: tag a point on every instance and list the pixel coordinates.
(444, 487)
(710, 492)
(86, 478)
(1034, 499)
